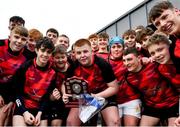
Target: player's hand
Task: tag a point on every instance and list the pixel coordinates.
(38, 119)
(177, 122)
(55, 95)
(65, 98)
(28, 118)
(1, 101)
(7, 109)
(145, 60)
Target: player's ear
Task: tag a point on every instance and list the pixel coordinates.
(36, 50)
(177, 11)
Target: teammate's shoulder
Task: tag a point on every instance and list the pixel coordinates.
(100, 60)
(3, 41)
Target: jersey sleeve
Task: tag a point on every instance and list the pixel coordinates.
(106, 69)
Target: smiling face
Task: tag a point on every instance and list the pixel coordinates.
(60, 60)
(129, 40)
(132, 62)
(17, 42)
(116, 50)
(83, 54)
(31, 44)
(168, 22)
(43, 56)
(160, 53)
(102, 43)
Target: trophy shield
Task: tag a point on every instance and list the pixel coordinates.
(76, 87)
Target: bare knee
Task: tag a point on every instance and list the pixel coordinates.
(73, 121)
(73, 118)
(116, 122)
(113, 122)
(131, 120)
(70, 122)
(56, 122)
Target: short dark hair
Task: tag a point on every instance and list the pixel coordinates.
(130, 50)
(92, 36)
(64, 35)
(129, 32)
(59, 49)
(158, 9)
(141, 27)
(103, 35)
(46, 43)
(151, 26)
(53, 31)
(146, 32)
(17, 19)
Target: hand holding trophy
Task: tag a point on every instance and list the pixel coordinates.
(75, 86)
(78, 97)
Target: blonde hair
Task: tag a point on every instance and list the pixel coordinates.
(20, 30)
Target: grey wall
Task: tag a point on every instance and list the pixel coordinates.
(111, 31)
(137, 16)
(122, 25)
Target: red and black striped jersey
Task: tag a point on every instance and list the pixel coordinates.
(169, 71)
(118, 68)
(158, 93)
(9, 62)
(126, 93)
(34, 85)
(98, 74)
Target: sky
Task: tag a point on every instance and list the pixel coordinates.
(75, 18)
